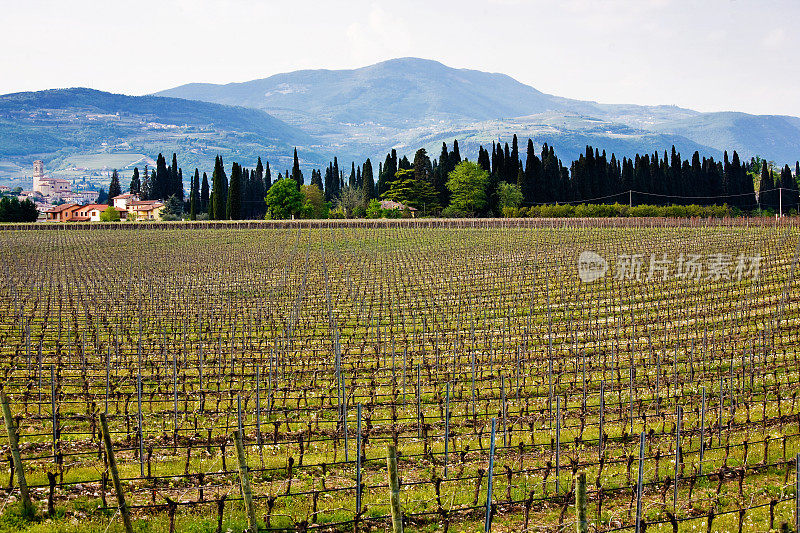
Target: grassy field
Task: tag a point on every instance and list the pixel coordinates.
(182, 337)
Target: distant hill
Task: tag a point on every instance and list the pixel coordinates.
(56, 124)
(404, 101)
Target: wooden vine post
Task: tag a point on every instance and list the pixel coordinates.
(112, 466)
(27, 505)
(394, 490)
(244, 480)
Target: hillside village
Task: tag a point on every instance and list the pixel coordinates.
(57, 201)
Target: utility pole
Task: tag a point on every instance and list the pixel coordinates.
(780, 202)
(630, 198)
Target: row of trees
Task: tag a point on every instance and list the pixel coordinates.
(498, 179)
(12, 210)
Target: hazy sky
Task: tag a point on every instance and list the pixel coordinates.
(719, 55)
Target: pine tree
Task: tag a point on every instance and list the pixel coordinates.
(297, 174)
(233, 208)
(136, 184)
(113, 188)
(422, 166)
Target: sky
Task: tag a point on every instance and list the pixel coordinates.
(709, 55)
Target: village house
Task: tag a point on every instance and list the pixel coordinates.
(121, 202)
(144, 210)
(90, 213)
(62, 213)
(391, 205)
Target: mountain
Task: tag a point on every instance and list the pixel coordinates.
(401, 102)
(62, 125)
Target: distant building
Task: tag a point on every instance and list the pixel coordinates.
(80, 197)
(38, 173)
(48, 186)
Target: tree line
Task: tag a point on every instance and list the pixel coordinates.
(500, 180)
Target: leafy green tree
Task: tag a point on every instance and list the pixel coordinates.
(413, 192)
(136, 184)
(102, 197)
(110, 215)
(113, 188)
(233, 209)
(468, 187)
(284, 199)
(350, 200)
(314, 204)
(374, 209)
(509, 195)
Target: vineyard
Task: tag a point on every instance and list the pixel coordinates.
(270, 376)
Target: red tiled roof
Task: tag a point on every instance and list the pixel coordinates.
(62, 207)
(126, 195)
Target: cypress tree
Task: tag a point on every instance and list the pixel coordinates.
(454, 158)
(316, 179)
(351, 181)
(175, 186)
(146, 185)
(219, 182)
(369, 181)
(335, 179)
(233, 208)
(160, 185)
(204, 195)
(297, 174)
(136, 184)
(194, 195)
(789, 190)
(267, 177)
(483, 159)
(765, 188)
(178, 192)
(532, 176)
(113, 188)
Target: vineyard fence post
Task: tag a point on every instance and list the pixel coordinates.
(487, 525)
(244, 480)
(581, 524)
(394, 490)
(112, 466)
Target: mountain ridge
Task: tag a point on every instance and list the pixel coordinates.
(404, 94)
